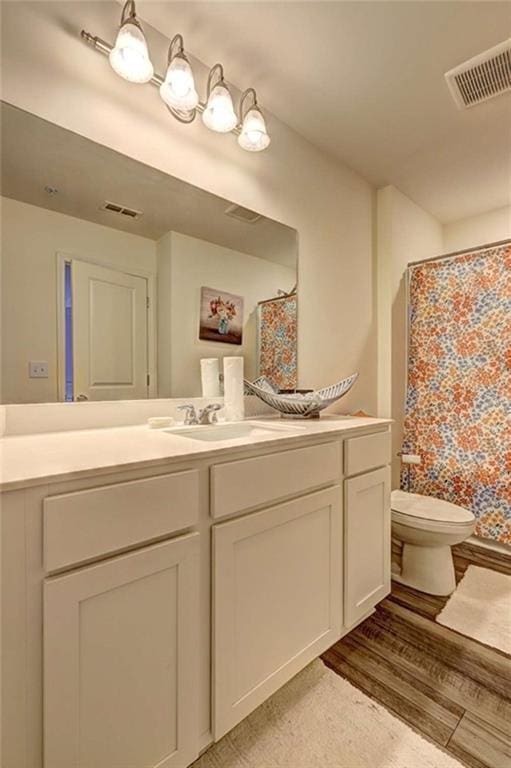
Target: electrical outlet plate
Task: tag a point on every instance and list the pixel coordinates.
(38, 369)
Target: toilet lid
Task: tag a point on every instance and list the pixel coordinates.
(429, 508)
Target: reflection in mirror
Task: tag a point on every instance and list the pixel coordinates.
(117, 279)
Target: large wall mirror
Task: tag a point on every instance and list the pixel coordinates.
(118, 279)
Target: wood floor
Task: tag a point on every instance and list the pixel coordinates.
(450, 688)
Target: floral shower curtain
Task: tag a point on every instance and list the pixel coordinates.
(277, 339)
(458, 406)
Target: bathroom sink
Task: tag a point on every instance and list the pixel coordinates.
(233, 431)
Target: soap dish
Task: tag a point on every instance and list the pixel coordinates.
(160, 422)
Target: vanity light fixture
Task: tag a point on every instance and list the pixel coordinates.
(130, 59)
(254, 136)
(130, 56)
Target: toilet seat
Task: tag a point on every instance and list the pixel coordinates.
(428, 513)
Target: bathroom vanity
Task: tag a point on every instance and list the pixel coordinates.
(159, 585)
(152, 601)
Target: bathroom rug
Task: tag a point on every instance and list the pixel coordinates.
(480, 608)
(319, 720)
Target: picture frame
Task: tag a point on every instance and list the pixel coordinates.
(221, 316)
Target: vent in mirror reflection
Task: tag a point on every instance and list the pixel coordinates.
(242, 214)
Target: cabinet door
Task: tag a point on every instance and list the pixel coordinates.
(277, 599)
(366, 543)
(120, 659)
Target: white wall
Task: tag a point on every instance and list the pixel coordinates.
(405, 233)
(185, 264)
(49, 71)
(489, 227)
(31, 238)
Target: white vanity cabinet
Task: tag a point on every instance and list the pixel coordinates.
(277, 599)
(120, 659)
(147, 610)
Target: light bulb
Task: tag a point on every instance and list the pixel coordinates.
(219, 114)
(178, 89)
(130, 57)
(254, 136)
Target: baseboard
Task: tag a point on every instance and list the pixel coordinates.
(495, 546)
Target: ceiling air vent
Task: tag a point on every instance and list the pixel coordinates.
(482, 77)
(242, 214)
(131, 213)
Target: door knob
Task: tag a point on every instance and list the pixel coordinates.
(81, 398)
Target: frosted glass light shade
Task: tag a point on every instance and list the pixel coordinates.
(254, 136)
(219, 114)
(130, 57)
(178, 89)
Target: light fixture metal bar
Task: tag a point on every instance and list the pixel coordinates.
(105, 48)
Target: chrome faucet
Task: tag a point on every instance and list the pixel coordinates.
(208, 414)
(205, 415)
(190, 413)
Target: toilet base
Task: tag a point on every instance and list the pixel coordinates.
(427, 569)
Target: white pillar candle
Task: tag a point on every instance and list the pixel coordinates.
(233, 389)
(210, 377)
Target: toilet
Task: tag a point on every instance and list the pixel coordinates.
(428, 528)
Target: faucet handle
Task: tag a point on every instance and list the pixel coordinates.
(208, 414)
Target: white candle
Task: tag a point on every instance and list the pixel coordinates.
(210, 377)
(233, 389)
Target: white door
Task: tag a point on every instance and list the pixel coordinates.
(367, 523)
(109, 333)
(277, 599)
(120, 659)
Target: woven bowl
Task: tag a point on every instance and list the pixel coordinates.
(295, 405)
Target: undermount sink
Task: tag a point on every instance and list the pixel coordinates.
(233, 430)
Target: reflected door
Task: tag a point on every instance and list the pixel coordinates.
(109, 334)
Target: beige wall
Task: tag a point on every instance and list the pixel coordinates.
(65, 82)
(31, 238)
(405, 233)
(489, 227)
(185, 264)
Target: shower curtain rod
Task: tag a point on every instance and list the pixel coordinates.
(279, 298)
(458, 253)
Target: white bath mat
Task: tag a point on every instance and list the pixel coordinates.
(481, 608)
(319, 720)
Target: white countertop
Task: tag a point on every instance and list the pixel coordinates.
(29, 460)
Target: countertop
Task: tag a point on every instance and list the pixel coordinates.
(30, 460)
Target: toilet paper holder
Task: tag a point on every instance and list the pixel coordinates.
(410, 459)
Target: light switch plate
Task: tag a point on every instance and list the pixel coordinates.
(38, 369)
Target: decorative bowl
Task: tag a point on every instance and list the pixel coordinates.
(296, 405)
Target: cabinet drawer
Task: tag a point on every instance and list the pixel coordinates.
(87, 524)
(241, 485)
(367, 452)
